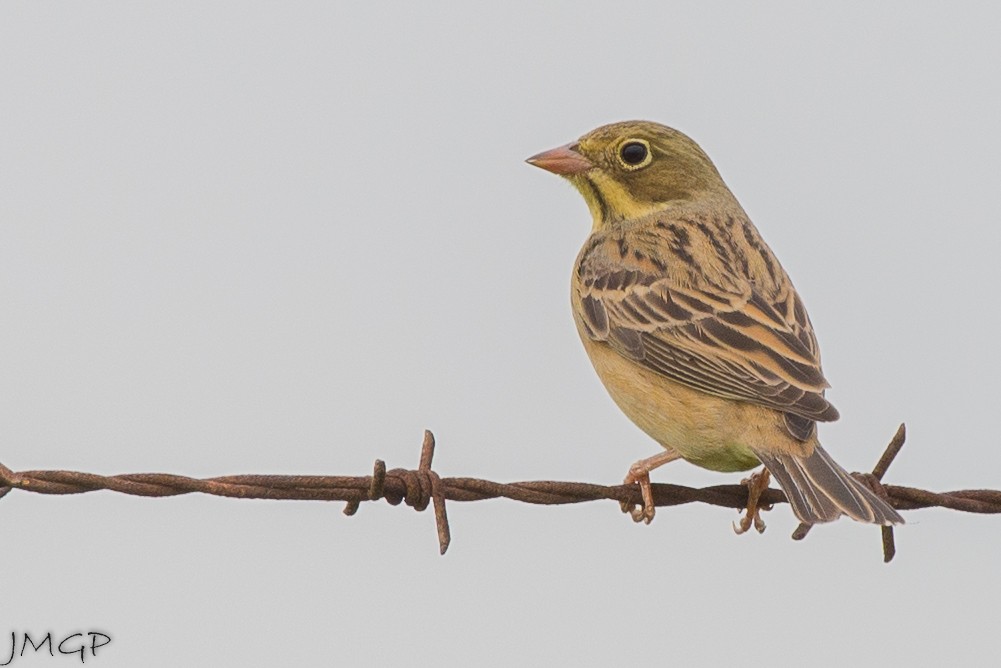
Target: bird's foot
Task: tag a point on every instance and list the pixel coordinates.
(756, 484)
(639, 473)
(646, 510)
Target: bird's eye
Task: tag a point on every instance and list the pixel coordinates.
(635, 153)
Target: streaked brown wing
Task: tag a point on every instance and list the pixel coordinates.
(734, 345)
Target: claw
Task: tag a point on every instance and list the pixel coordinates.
(756, 484)
(647, 510)
(639, 474)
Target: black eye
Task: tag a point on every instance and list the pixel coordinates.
(633, 153)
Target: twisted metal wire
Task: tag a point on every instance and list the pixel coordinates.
(421, 487)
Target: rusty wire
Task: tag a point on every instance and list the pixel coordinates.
(421, 487)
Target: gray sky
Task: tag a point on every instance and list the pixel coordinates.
(287, 237)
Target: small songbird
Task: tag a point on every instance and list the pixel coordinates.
(694, 327)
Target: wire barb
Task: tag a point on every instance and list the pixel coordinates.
(423, 487)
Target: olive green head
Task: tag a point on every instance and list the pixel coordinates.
(625, 170)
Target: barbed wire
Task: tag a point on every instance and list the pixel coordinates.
(421, 487)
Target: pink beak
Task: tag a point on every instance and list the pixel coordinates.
(564, 161)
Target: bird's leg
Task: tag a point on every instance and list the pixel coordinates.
(756, 484)
(640, 473)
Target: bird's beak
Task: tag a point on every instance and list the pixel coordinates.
(564, 161)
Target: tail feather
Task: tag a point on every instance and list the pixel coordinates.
(821, 491)
(806, 500)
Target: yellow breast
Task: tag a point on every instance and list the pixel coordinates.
(708, 431)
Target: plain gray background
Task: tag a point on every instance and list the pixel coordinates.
(287, 237)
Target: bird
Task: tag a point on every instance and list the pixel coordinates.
(694, 327)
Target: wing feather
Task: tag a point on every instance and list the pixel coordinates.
(734, 343)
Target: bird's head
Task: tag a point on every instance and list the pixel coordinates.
(626, 170)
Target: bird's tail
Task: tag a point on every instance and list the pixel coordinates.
(821, 491)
